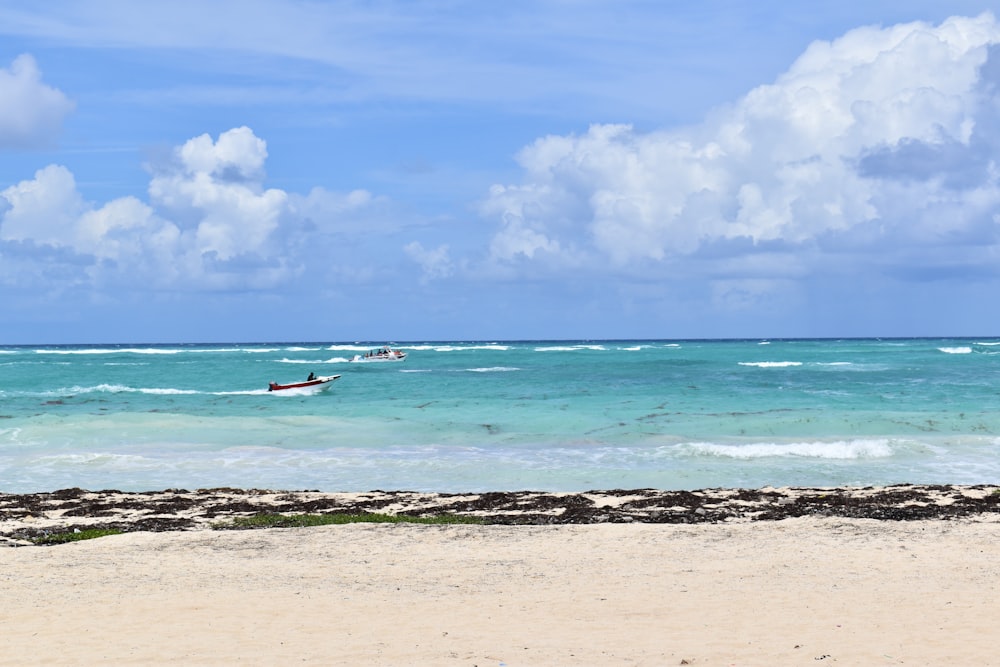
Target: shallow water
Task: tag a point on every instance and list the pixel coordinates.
(460, 416)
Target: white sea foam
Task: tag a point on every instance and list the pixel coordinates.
(569, 348)
(462, 348)
(956, 350)
(771, 364)
(331, 360)
(492, 369)
(167, 392)
(840, 449)
(120, 389)
(154, 350)
(109, 388)
(105, 350)
(94, 459)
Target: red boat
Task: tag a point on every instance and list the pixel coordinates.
(313, 381)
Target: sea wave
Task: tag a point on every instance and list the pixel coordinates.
(119, 389)
(956, 350)
(460, 348)
(155, 350)
(166, 392)
(105, 350)
(771, 364)
(492, 369)
(100, 388)
(840, 449)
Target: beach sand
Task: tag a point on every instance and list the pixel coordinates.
(797, 591)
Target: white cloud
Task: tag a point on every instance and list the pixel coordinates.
(883, 129)
(210, 222)
(221, 183)
(334, 211)
(31, 113)
(236, 154)
(125, 229)
(435, 262)
(48, 211)
(43, 210)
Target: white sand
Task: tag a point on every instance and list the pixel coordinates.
(794, 592)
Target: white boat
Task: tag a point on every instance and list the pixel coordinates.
(385, 353)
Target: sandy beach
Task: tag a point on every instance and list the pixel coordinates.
(808, 589)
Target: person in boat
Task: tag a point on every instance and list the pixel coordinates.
(312, 376)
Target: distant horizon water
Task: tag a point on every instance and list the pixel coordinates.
(548, 415)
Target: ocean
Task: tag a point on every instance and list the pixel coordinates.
(519, 415)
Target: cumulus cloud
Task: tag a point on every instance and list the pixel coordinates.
(49, 212)
(219, 184)
(209, 223)
(43, 210)
(435, 262)
(885, 137)
(30, 111)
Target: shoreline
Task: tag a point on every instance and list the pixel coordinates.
(27, 516)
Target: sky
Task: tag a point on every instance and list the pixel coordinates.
(383, 170)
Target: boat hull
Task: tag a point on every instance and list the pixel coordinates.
(322, 381)
(379, 357)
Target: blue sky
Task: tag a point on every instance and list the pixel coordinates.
(319, 171)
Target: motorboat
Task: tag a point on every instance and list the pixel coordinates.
(380, 354)
(323, 381)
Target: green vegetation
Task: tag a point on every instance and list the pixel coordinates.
(305, 520)
(75, 536)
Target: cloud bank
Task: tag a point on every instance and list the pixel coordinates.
(879, 145)
(209, 222)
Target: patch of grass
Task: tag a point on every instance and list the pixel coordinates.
(306, 520)
(75, 536)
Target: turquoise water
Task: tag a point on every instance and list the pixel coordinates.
(460, 416)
